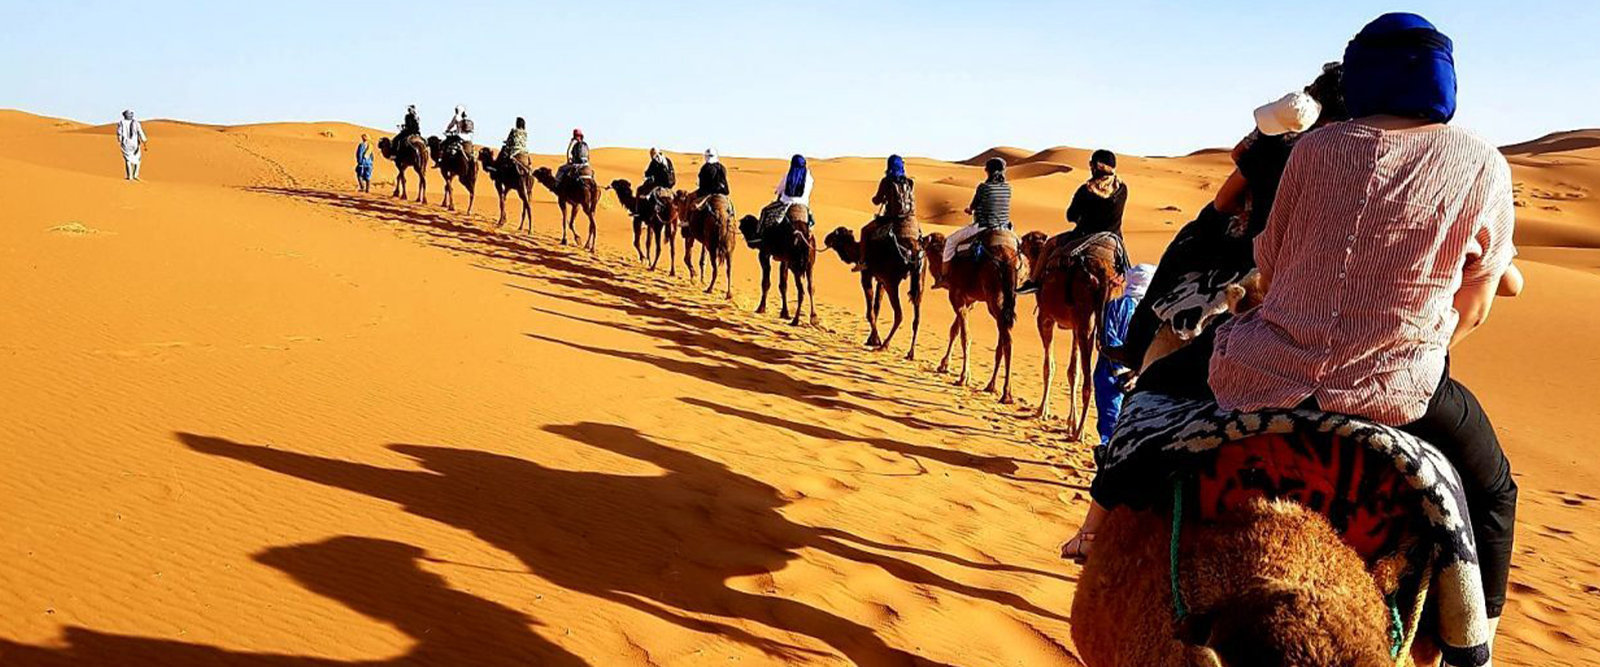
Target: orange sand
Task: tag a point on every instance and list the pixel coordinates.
(255, 418)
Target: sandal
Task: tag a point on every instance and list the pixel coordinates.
(1079, 547)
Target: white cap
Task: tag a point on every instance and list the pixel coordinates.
(1294, 112)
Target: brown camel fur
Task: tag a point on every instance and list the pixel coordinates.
(1073, 292)
(456, 165)
(414, 156)
(886, 267)
(510, 177)
(1271, 585)
(710, 225)
(992, 280)
(791, 243)
(574, 195)
(653, 218)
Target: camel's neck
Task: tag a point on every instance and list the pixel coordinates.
(849, 251)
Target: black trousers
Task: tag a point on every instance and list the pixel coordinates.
(1455, 423)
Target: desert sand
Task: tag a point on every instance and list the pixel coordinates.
(253, 417)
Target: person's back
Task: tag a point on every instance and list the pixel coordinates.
(713, 180)
(896, 195)
(1373, 233)
(991, 204)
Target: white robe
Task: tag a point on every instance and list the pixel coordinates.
(130, 135)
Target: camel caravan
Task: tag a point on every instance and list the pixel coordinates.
(1266, 492)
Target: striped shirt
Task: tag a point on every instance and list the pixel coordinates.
(1371, 235)
(991, 204)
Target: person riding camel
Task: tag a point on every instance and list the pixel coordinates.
(1096, 207)
(712, 180)
(1385, 248)
(515, 149)
(896, 196)
(458, 133)
(990, 210)
(410, 126)
(794, 189)
(577, 157)
(658, 174)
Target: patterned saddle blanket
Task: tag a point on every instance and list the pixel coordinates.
(1373, 482)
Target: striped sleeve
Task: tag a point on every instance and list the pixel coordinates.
(1492, 248)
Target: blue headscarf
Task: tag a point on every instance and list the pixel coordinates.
(794, 185)
(1400, 65)
(897, 167)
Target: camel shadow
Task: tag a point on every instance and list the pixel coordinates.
(380, 579)
(665, 544)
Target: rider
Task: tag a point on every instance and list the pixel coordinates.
(1096, 207)
(896, 194)
(515, 148)
(713, 180)
(577, 155)
(411, 126)
(990, 209)
(460, 128)
(1389, 237)
(795, 188)
(658, 174)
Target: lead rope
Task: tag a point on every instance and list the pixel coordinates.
(1179, 609)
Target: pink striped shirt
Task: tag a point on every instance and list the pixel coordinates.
(1371, 236)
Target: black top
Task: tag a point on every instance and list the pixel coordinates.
(411, 124)
(661, 173)
(713, 180)
(1262, 163)
(1091, 213)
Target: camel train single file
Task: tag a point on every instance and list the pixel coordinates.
(785, 237)
(1283, 537)
(510, 176)
(577, 192)
(985, 270)
(887, 265)
(1076, 280)
(413, 155)
(709, 222)
(455, 162)
(653, 218)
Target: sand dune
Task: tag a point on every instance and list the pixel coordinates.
(255, 418)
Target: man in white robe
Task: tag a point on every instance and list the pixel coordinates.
(130, 136)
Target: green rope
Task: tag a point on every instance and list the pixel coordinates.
(1397, 627)
(1179, 609)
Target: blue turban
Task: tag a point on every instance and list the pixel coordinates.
(897, 167)
(794, 185)
(1400, 65)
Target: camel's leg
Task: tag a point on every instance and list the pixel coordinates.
(1047, 335)
(811, 290)
(594, 230)
(955, 326)
(766, 279)
(893, 289)
(449, 204)
(564, 225)
(472, 196)
(422, 186)
(727, 267)
(1073, 429)
(399, 184)
(672, 249)
(638, 234)
(966, 348)
(800, 298)
(1005, 345)
(1086, 355)
(502, 221)
(916, 310)
(999, 349)
(783, 291)
(527, 209)
(715, 264)
(873, 299)
(688, 266)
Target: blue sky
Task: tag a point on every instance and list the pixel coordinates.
(751, 77)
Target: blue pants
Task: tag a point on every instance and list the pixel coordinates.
(1107, 397)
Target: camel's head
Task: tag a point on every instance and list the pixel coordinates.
(486, 156)
(932, 244)
(841, 237)
(750, 227)
(544, 175)
(1033, 244)
(385, 147)
(1279, 623)
(624, 191)
(434, 143)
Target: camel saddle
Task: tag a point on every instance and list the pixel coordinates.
(456, 145)
(975, 247)
(1379, 488)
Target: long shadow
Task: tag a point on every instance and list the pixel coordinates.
(664, 544)
(1004, 466)
(377, 578)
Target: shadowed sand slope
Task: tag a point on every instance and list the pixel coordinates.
(257, 419)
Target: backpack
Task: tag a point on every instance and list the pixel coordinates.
(466, 126)
(902, 203)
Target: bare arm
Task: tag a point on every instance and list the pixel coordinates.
(1230, 197)
(1510, 282)
(1473, 302)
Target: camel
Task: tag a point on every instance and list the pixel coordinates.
(652, 219)
(506, 178)
(414, 156)
(573, 194)
(1272, 584)
(711, 225)
(992, 280)
(456, 165)
(1075, 283)
(886, 267)
(790, 242)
